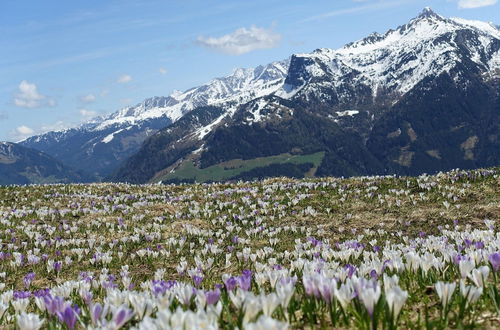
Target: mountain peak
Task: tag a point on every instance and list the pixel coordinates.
(427, 12)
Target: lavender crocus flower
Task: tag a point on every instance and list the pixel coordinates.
(212, 296)
(230, 283)
(69, 316)
(197, 280)
(28, 279)
(495, 261)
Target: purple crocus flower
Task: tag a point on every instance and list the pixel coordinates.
(457, 258)
(230, 283)
(350, 270)
(122, 316)
(69, 316)
(21, 294)
(495, 261)
(53, 304)
(197, 280)
(28, 278)
(212, 296)
(96, 312)
(57, 266)
(42, 293)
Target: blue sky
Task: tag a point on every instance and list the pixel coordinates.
(62, 62)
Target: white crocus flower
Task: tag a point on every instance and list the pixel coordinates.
(344, 294)
(445, 292)
(480, 275)
(29, 321)
(269, 303)
(465, 266)
(285, 292)
(395, 299)
(252, 306)
(470, 292)
(390, 282)
(20, 305)
(370, 296)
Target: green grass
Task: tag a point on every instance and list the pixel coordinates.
(227, 170)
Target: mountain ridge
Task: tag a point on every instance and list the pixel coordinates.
(351, 87)
(21, 165)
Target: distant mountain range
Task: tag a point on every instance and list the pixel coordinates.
(421, 98)
(21, 165)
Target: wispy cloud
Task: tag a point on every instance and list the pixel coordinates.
(87, 114)
(468, 4)
(22, 132)
(89, 98)
(162, 71)
(124, 78)
(357, 9)
(242, 41)
(29, 97)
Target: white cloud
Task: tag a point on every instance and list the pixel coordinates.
(29, 97)
(87, 113)
(22, 132)
(88, 98)
(123, 79)
(467, 4)
(162, 70)
(242, 41)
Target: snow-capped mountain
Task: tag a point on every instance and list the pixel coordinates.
(397, 60)
(355, 89)
(99, 145)
(373, 93)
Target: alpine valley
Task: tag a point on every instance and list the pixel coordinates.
(422, 98)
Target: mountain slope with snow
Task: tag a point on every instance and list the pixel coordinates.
(99, 146)
(387, 98)
(354, 89)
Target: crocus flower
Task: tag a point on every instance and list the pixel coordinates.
(230, 283)
(480, 275)
(445, 292)
(29, 321)
(212, 296)
(69, 316)
(470, 292)
(495, 261)
(121, 316)
(395, 300)
(370, 296)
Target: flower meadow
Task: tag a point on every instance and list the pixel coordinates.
(368, 252)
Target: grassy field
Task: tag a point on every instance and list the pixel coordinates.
(364, 253)
(220, 172)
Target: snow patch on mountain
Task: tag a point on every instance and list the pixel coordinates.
(110, 137)
(345, 113)
(484, 27)
(397, 60)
